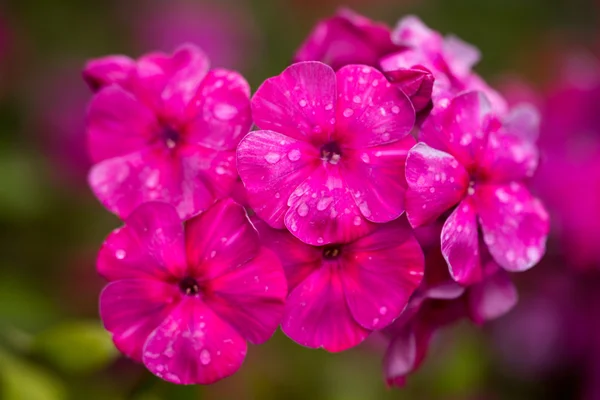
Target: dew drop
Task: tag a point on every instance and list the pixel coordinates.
(320, 240)
(348, 112)
(152, 180)
(383, 310)
(385, 136)
(272, 158)
(364, 209)
(357, 220)
(302, 103)
(365, 158)
(224, 111)
(356, 99)
(323, 203)
(120, 254)
(220, 170)
(303, 210)
(395, 109)
(329, 107)
(294, 155)
(205, 357)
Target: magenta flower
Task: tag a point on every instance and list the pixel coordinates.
(164, 128)
(449, 59)
(183, 298)
(340, 293)
(347, 38)
(469, 159)
(330, 157)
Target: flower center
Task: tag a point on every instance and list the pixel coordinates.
(331, 153)
(189, 286)
(171, 137)
(332, 252)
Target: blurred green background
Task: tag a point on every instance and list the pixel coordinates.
(52, 346)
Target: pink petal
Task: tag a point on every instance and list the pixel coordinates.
(380, 273)
(132, 309)
(369, 111)
(436, 181)
(515, 225)
(410, 31)
(523, 121)
(118, 124)
(460, 55)
(416, 82)
(460, 244)
(299, 103)
(323, 211)
(251, 297)
(298, 259)
(155, 174)
(106, 71)
(492, 298)
(220, 240)
(375, 177)
(220, 112)
(150, 244)
(272, 166)
(460, 129)
(400, 357)
(509, 157)
(317, 315)
(194, 346)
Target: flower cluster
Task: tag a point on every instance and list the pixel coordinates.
(386, 183)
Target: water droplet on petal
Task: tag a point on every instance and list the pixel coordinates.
(356, 99)
(383, 310)
(224, 111)
(120, 254)
(357, 220)
(302, 103)
(272, 158)
(348, 112)
(294, 155)
(323, 203)
(152, 180)
(365, 158)
(395, 109)
(220, 170)
(320, 240)
(329, 106)
(204, 357)
(364, 209)
(303, 210)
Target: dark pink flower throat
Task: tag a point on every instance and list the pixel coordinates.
(331, 152)
(189, 286)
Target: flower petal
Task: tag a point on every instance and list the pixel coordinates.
(436, 181)
(106, 71)
(509, 157)
(515, 225)
(380, 273)
(317, 315)
(251, 297)
(118, 124)
(154, 174)
(460, 55)
(194, 346)
(370, 112)
(151, 244)
(400, 357)
(299, 103)
(416, 82)
(220, 112)
(376, 179)
(298, 259)
(346, 38)
(220, 239)
(272, 166)
(460, 244)
(132, 309)
(322, 210)
(492, 298)
(461, 129)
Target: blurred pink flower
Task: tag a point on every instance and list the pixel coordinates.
(468, 158)
(340, 293)
(183, 298)
(164, 128)
(347, 38)
(330, 158)
(569, 175)
(227, 33)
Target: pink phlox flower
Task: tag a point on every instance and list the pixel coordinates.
(328, 160)
(472, 162)
(164, 128)
(449, 59)
(183, 298)
(347, 38)
(340, 293)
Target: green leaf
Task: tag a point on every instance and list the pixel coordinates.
(22, 380)
(76, 347)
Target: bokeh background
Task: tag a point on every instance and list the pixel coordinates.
(52, 345)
